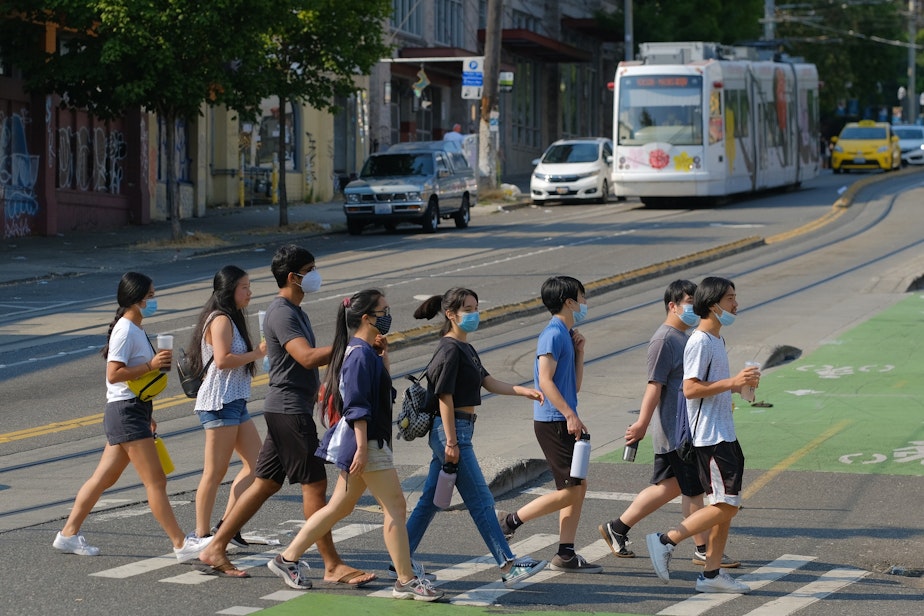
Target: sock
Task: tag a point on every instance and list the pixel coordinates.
(701, 548)
(711, 575)
(619, 527)
(665, 540)
(513, 521)
(566, 550)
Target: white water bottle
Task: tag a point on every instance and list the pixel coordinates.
(446, 483)
(580, 459)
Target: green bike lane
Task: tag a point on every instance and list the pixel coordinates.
(854, 405)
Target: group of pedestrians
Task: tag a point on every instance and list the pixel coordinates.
(357, 401)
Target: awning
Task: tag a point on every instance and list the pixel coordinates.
(532, 45)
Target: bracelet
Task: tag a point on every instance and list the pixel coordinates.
(456, 444)
(148, 364)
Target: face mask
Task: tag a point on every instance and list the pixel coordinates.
(468, 321)
(689, 318)
(149, 308)
(581, 314)
(726, 318)
(383, 323)
(311, 282)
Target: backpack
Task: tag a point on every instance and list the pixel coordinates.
(418, 408)
(189, 381)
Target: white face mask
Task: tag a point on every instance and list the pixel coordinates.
(311, 282)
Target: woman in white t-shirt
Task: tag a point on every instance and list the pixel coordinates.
(129, 424)
(221, 342)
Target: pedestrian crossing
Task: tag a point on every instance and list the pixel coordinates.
(492, 594)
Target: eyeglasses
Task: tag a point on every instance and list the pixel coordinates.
(310, 269)
(386, 311)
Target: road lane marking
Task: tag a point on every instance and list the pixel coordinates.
(830, 582)
(595, 495)
(771, 572)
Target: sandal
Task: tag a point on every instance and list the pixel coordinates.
(229, 570)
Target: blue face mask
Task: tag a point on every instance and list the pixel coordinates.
(581, 314)
(726, 318)
(468, 321)
(149, 308)
(689, 318)
(383, 323)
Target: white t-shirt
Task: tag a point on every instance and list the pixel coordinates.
(129, 345)
(706, 353)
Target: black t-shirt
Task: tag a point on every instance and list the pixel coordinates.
(456, 369)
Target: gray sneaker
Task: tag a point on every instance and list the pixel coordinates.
(75, 544)
(721, 583)
(660, 555)
(295, 575)
(699, 558)
(522, 568)
(502, 520)
(575, 564)
(416, 589)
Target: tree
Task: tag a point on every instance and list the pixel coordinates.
(167, 56)
(312, 52)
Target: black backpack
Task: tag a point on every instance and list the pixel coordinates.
(189, 381)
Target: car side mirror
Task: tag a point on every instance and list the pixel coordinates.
(609, 160)
(833, 139)
(535, 162)
(894, 138)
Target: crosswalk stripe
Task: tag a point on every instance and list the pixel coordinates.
(489, 594)
(595, 495)
(826, 584)
(697, 604)
(259, 560)
(482, 563)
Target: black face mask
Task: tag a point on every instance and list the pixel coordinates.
(383, 324)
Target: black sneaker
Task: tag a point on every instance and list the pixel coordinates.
(575, 564)
(616, 541)
(237, 540)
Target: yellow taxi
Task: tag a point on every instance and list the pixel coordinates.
(866, 145)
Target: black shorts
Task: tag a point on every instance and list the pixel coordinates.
(668, 465)
(558, 446)
(721, 469)
(288, 450)
(127, 420)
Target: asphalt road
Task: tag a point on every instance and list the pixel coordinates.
(806, 292)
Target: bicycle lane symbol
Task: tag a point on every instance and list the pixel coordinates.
(914, 452)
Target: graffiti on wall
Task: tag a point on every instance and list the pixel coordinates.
(18, 174)
(90, 158)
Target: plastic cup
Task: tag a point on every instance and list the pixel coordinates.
(165, 343)
(750, 393)
(261, 316)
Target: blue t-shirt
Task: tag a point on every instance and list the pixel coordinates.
(555, 341)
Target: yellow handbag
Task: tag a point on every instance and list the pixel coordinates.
(148, 385)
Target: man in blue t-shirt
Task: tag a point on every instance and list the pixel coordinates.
(558, 371)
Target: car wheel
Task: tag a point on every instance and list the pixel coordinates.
(431, 219)
(606, 193)
(464, 215)
(355, 227)
(838, 170)
(390, 226)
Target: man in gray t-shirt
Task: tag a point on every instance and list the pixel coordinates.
(291, 434)
(658, 415)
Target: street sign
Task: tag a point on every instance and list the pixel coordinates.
(471, 92)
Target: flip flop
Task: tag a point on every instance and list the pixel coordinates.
(229, 570)
(347, 579)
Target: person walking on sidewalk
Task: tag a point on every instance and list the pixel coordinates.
(359, 444)
(708, 387)
(558, 371)
(291, 434)
(457, 376)
(129, 425)
(221, 343)
(672, 477)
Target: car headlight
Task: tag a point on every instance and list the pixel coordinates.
(413, 196)
(838, 148)
(589, 174)
(884, 148)
(352, 198)
(541, 176)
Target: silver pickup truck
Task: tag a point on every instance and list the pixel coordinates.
(418, 182)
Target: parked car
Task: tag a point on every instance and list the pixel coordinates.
(573, 169)
(866, 145)
(419, 182)
(911, 142)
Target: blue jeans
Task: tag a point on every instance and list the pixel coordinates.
(471, 486)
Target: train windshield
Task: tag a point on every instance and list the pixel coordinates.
(660, 109)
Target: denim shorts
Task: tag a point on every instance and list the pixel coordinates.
(379, 459)
(233, 413)
(127, 420)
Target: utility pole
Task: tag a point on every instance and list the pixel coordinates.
(769, 24)
(913, 101)
(487, 145)
(628, 38)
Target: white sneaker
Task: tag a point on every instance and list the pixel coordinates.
(721, 583)
(75, 545)
(660, 555)
(418, 570)
(192, 545)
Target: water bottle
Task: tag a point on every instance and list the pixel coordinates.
(446, 483)
(628, 454)
(580, 459)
